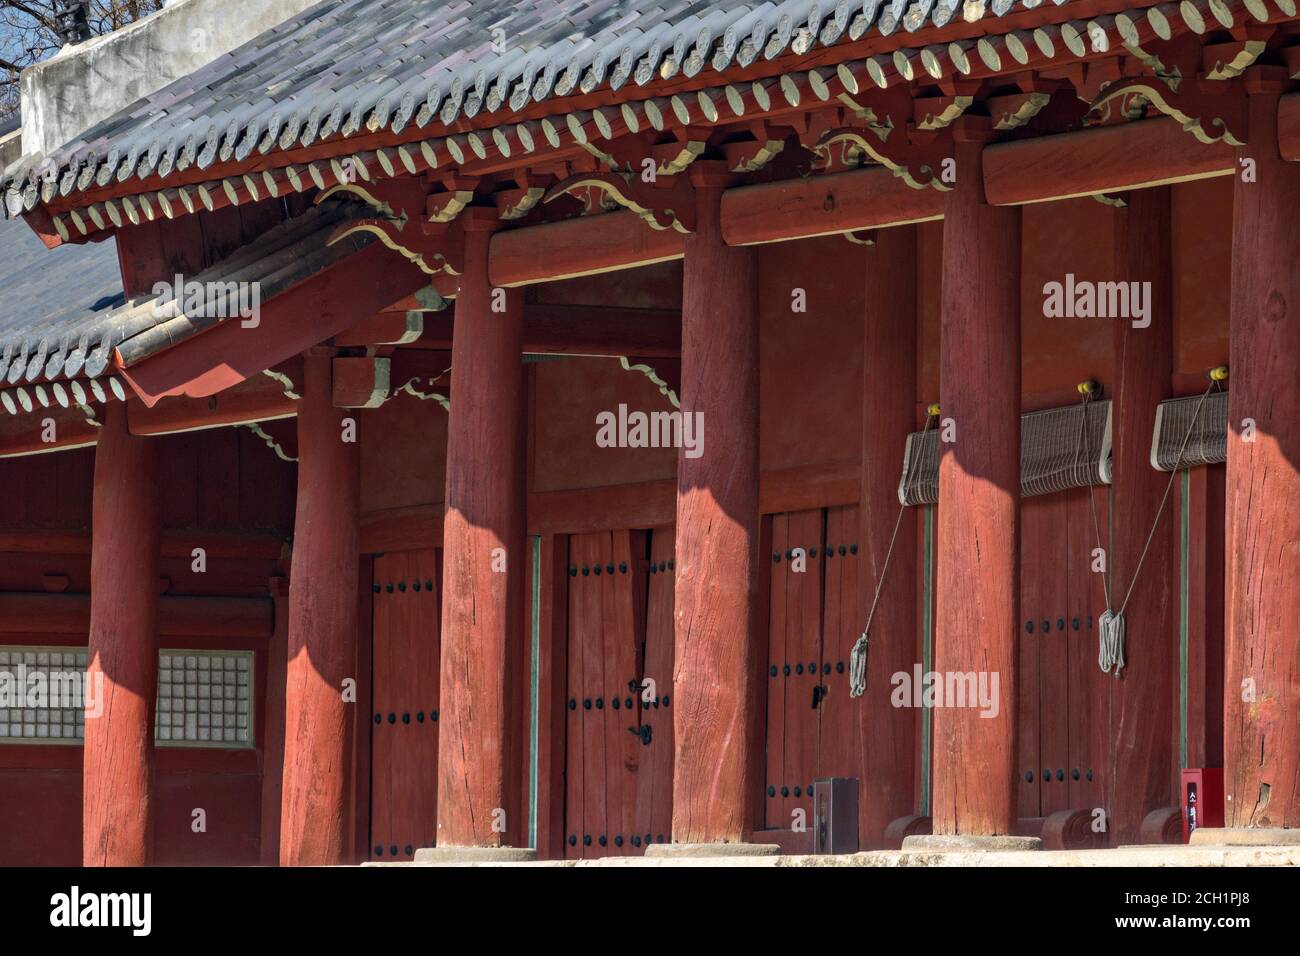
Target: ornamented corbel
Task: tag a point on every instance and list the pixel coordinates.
(1226, 61)
(917, 162)
(661, 205)
(1211, 111)
(751, 155)
(686, 145)
(520, 201)
(458, 192)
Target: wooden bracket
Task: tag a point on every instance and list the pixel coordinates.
(751, 155)
(918, 162)
(1210, 110)
(360, 382)
(447, 204)
(663, 205)
(529, 189)
(686, 145)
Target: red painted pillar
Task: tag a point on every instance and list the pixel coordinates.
(977, 598)
(1143, 765)
(484, 559)
(315, 809)
(887, 733)
(122, 678)
(1261, 736)
(717, 769)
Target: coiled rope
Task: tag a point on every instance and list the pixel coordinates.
(1111, 626)
(858, 656)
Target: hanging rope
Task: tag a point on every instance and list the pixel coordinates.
(1110, 653)
(858, 656)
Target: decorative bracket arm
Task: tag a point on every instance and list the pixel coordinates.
(917, 163)
(1210, 110)
(661, 204)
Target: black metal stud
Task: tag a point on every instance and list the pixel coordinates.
(406, 717)
(428, 585)
(600, 703)
(573, 704)
(1074, 774)
(812, 552)
(628, 703)
(586, 839)
(776, 557)
(613, 702)
(671, 564)
(375, 588)
(389, 587)
(786, 670)
(830, 552)
(379, 850)
(393, 848)
(379, 718)
(573, 839)
(1047, 775)
(433, 715)
(392, 718)
(419, 716)
(1090, 773)
(826, 668)
(609, 569)
(416, 585)
(839, 667)
(785, 791)
(798, 668)
(595, 569)
(573, 572)
(401, 586)
(604, 840)
(853, 549)
(1047, 626)
(842, 549)
(772, 670)
(665, 700)
(1029, 627)
(1029, 776)
(585, 571)
(618, 841)
(798, 791)
(636, 841)
(771, 791)
(409, 849)
(586, 703)
(1060, 623)
(1075, 623)
(1060, 775)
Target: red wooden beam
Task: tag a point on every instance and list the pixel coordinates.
(308, 313)
(1099, 160)
(319, 723)
(979, 487)
(716, 634)
(221, 617)
(259, 398)
(1143, 765)
(117, 765)
(1260, 691)
(578, 247)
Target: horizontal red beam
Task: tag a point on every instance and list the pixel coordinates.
(216, 617)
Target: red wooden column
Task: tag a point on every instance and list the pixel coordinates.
(315, 808)
(1143, 719)
(887, 733)
(977, 598)
(1261, 690)
(122, 678)
(485, 562)
(716, 637)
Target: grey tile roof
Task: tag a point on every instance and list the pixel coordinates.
(63, 312)
(49, 297)
(355, 66)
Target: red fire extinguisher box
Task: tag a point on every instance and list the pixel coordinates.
(1202, 799)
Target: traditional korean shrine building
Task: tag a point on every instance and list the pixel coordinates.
(482, 425)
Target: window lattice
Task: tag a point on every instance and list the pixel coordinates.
(204, 697)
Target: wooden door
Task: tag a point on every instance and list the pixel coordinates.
(605, 744)
(404, 723)
(1062, 695)
(840, 747)
(794, 666)
(654, 799)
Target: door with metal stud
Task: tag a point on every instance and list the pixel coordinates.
(404, 722)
